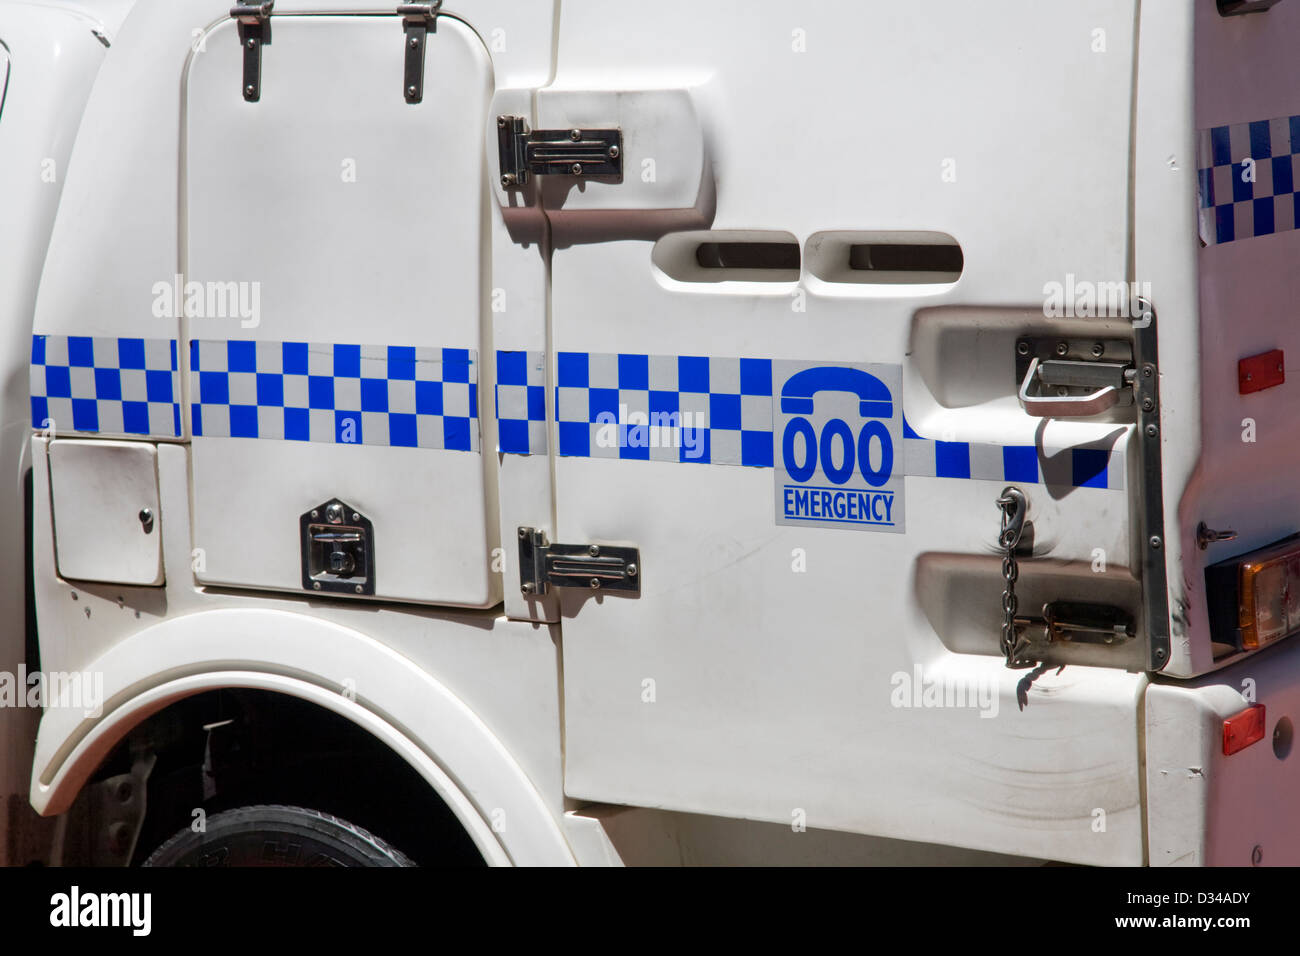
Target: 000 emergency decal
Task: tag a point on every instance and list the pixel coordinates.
(838, 445)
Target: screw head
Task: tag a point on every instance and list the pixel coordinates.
(501, 121)
(1022, 348)
(410, 90)
(355, 516)
(1098, 350)
(575, 134)
(1062, 348)
(631, 570)
(1152, 431)
(1155, 542)
(523, 532)
(315, 585)
(334, 514)
(526, 588)
(613, 152)
(250, 43)
(359, 589)
(413, 42)
(1148, 371)
(595, 584)
(248, 90)
(508, 180)
(1147, 404)
(576, 169)
(594, 550)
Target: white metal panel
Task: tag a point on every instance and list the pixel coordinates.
(98, 490)
(360, 220)
(753, 674)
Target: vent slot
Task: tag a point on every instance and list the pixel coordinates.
(886, 258)
(728, 256)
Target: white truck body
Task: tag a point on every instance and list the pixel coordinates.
(255, 302)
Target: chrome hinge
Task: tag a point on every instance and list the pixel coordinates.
(418, 21)
(564, 152)
(595, 567)
(254, 24)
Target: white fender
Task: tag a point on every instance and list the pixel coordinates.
(333, 666)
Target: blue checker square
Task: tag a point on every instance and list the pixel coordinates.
(1020, 463)
(40, 411)
(1220, 146)
(456, 433)
(130, 353)
(1224, 228)
(1283, 178)
(455, 365)
(194, 355)
(696, 447)
(512, 368)
(374, 395)
(634, 372)
(571, 369)
(85, 415)
(158, 385)
(297, 424)
(320, 392)
(196, 420)
(724, 411)
(1264, 216)
(537, 403)
(952, 459)
(692, 373)
(38, 350)
(1089, 466)
(756, 377)
(1242, 189)
(243, 421)
(428, 398)
(602, 401)
(81, 351)
(241, 356)
(293, 358)
(347, 428)
(756, 449)
(347, 361)
(575, 439)
(473, 402)
(175, 364)
(1260, 148)
(270, 389)
(176, 418)
(214, 388)
(401, 363)
(108, 384)
(664, 403)
(135, 418)
(512, 436)
(401, 430)
(1206, 177)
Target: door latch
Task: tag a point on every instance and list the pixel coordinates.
(562, 152)
(253, 21)
(1079, 623)
(418, 21)
(1072, 378)
(338, 549)
(595, 567)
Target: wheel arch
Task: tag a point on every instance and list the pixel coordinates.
(331, 666)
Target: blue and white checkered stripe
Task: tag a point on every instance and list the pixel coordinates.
(1078, 467)
(521, 403)
(665, 408)
(1232, 205)
(105, 385)
(347, 394)
(719, 411)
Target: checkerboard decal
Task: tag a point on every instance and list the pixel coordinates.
(394, 395)
(1235, 206)
(665, 408)
(105, 385)
(521, 403)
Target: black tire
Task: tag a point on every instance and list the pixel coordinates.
(276, 836)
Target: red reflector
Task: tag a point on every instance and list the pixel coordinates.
(1260, 372)
(1242, 730)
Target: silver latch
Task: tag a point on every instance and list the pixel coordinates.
(1078, 623)
(253, 21)
(561, 152)
(338, 549)
(418, 21)
(597, 567)
(1072, 378)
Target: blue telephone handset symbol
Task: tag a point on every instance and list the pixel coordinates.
(874, 403)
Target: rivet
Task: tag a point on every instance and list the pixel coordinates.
(413, 42)
(613, 154)
(593, 550)
(575, 134)
(410, 91)
(526, 588)
(631, 570)
(1098, 350)
(315, 585)
(1062, 348)
(577, 169)
(1022, 348)
(1152, 431)
(1155, 542)
(248, 90)
(595, 586)
(251, 43)
(360, 589)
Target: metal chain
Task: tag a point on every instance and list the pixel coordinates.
(1013, 506)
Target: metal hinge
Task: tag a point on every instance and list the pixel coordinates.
(563, 152)
(595, 567)
(418, 21)
(254, 23)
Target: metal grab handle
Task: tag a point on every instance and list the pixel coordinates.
(1064, 406)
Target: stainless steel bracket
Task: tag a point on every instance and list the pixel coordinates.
(418, 21)
(556, 152)
(591, 566)
(253, 21)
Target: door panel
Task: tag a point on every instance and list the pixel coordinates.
(348, 226)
